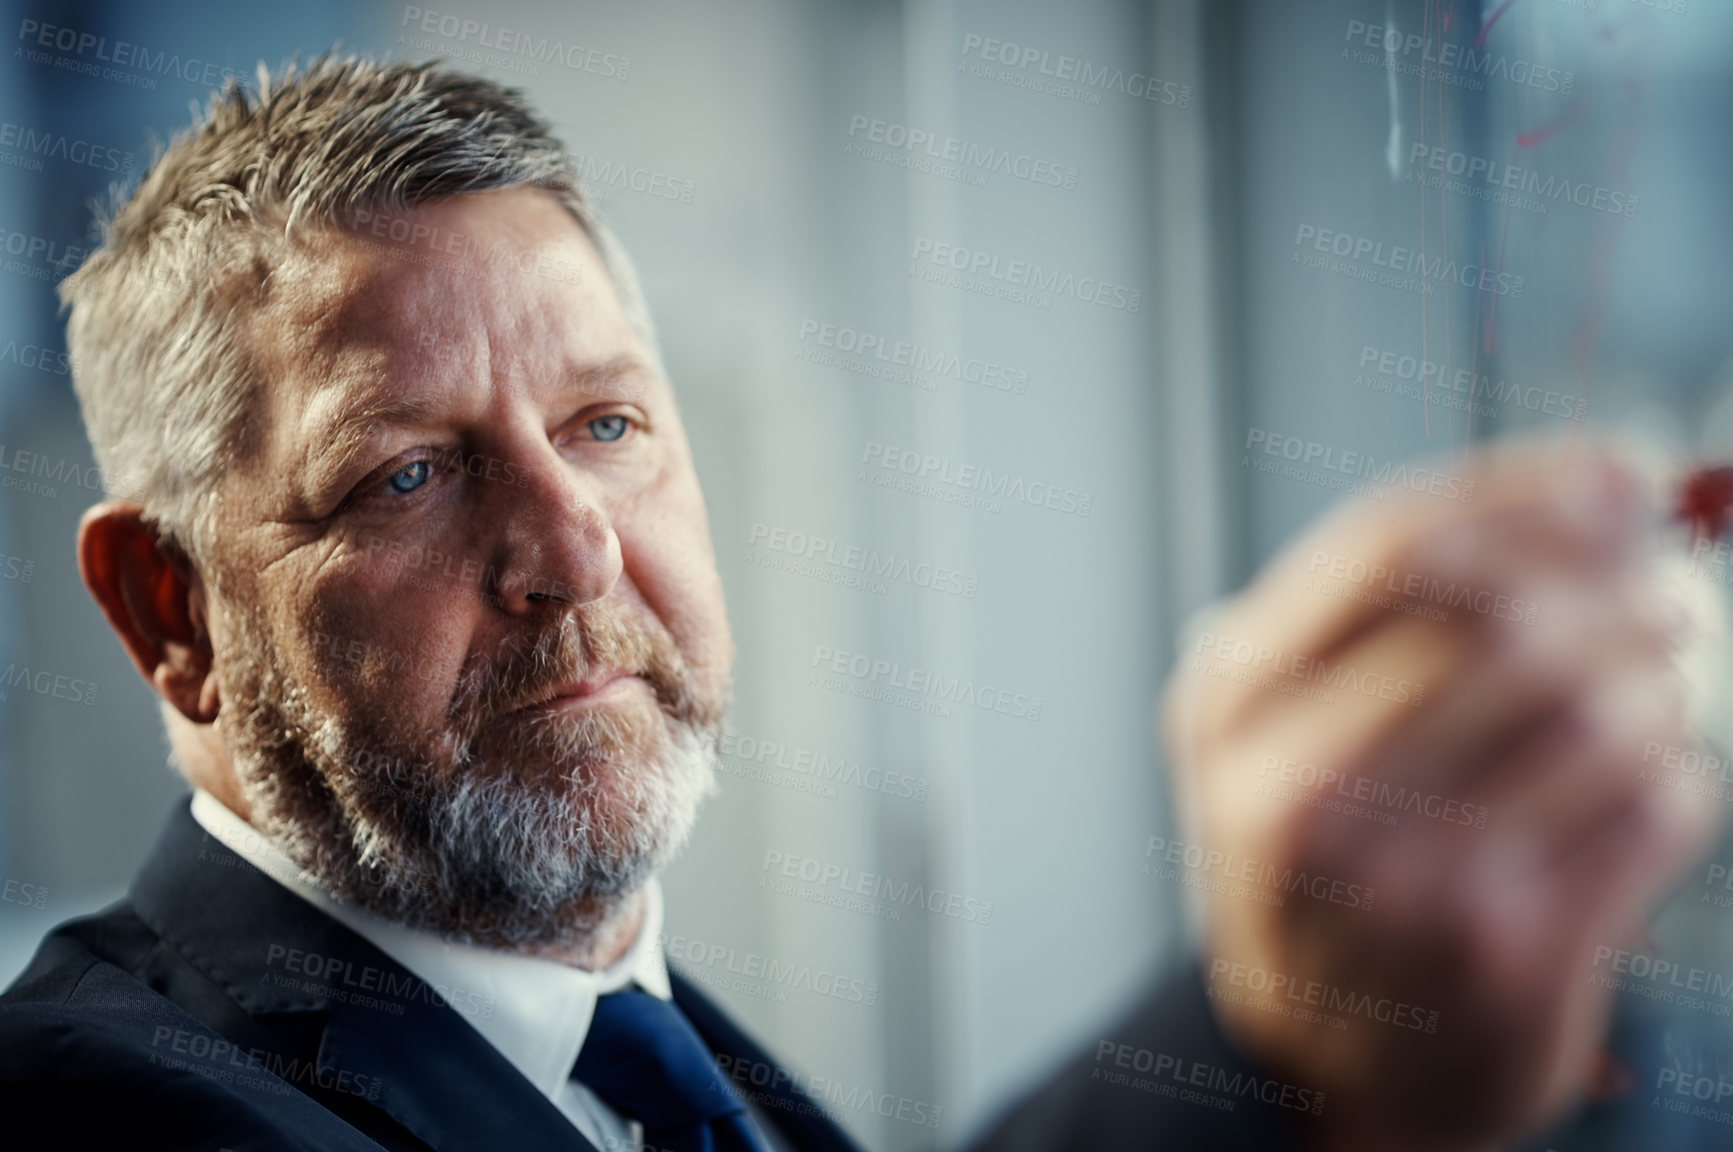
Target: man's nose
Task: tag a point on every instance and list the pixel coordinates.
(559, 543)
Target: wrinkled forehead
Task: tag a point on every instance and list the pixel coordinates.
(495, 286)
(409, 282)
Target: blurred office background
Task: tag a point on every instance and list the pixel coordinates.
(1228, 148)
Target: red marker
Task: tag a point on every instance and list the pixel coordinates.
(1706, 502)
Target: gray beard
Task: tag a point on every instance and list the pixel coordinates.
(443, 839)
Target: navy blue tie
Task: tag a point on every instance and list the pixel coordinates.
(649, 1064)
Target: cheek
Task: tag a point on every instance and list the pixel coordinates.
(669, 559)
(382, 649)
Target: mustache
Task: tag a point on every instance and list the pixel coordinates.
(572, 646)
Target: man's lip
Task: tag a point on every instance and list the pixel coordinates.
(575, 690)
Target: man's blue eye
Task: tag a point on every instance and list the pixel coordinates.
(411, 476)
(609, 427)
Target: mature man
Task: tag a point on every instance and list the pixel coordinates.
(419, 566)
(413, 551)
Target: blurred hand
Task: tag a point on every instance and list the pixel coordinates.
(1524, 837)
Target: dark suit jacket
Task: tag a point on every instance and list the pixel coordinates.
(1162, 1078)
(171, 1021)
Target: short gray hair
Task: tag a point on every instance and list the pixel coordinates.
(158, 312)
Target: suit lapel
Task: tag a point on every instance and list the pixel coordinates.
(388, 1041)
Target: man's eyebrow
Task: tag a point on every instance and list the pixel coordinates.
(612, 371)
(348, 434)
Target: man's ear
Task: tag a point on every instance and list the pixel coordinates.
(154, 601)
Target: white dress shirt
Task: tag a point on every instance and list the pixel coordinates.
(540, 1008)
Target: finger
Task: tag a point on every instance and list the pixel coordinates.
(1579, 506)
(1507, 684)
(1601, 893)
(1265, 629)
(1333, 704)
(1633, 853)
(1585, 766)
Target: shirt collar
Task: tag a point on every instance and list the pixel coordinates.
(536, 1011)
